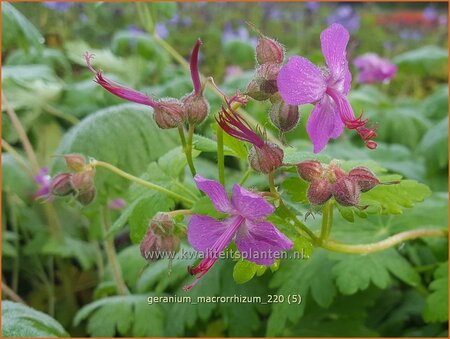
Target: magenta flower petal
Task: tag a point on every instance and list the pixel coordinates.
(261, 242)
(203, 231)
(373, 68)
(334, 42)
(324, 123)
(216, 192)
(250, 205)
(300, 82)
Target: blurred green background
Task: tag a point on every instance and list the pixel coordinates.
(46, 82)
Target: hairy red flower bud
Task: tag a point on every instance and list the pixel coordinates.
(310, 170)
(269, 51)
(61, 184)
(267, 158)
(87, 196)
(83, 181)
(319, 191)
(364, 177)
(283, 116)
(254, 91)
(75, 162)
(159, 241)
(169, 113)
(346, 191)
(196, 108)
(266, 77)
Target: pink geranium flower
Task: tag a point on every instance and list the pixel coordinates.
(301, 82)
(373, 68)
(257, 239)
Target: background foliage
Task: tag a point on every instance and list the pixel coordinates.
(56, 265)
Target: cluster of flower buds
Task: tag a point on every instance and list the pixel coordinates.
(160, 241)
(270, 56)
(332, 181)
(168, 112)
(80, 183)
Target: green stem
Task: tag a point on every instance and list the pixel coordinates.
(59, 114)
(189, 150)
(112, 255)
(185, 189)
(187, 147)
(272, 183)
(327, 221)
(383, 244)
(152, 186)
(220, 155)
(245, 176)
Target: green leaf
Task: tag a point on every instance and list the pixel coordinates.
(236, 145)
(122, 315)
(20, 321)
(204, 144)
(15, 179)
(436, 307)
(204, 206)
(244, 271)
(144, 211)
(424, 60)
(435, 106)
(434, 146)
(12, 18)
(296, 189)
(357, 272)
(391, 199)
(123, 135)
(293, 156)
(307, 278)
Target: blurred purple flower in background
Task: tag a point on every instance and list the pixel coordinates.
(161, 30)
(58, 6)
(178, 20)
(43, 179)
(240, 34)
(373, 68)
(430, 14)
(312, 6)
(233, 71)
(117, 204)
(443, 20)
(345, 15)
(410, 34)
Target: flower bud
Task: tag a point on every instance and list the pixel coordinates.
(267, 158)
(334, 172)
(266, 77)
(196, 108)
(269, 51)
(310, 170)
(283, 116)
(319, 191)
(83, 181)
(61, 184)
(346, 191)
(159, 241)
(364, 177)
(254, 91)
(169, 113)
(87, 196)
(75, 162)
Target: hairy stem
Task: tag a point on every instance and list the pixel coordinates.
(189, 149)
(152, 186)
(22, 135)
(272, 188)
(383, 244)
(327, 221)
(220, 156)
(59, 114)
(112, 255)
(9, 293)
(245, 176)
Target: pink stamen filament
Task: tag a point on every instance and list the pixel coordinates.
(232, 123)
